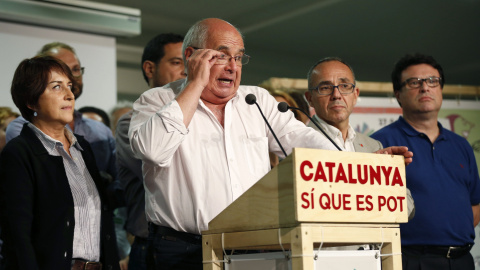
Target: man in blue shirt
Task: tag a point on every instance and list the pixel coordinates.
(443, 179)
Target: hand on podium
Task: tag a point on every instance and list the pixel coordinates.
(398, 150)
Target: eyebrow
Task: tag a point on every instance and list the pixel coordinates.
(59, 82)
(222, 47)
(175, 58)
(342, 80)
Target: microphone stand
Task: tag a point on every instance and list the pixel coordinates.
(313, 121)
(252, 99)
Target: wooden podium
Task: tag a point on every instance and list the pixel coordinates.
(316, 198)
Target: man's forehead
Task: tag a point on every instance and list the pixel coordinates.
(64, 55)
(173, 48)
(224, 38)
(419, 70)
(327, 71)
(227, 48)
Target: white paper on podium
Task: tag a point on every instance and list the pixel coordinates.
(327, 260)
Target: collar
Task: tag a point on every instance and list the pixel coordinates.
(412, 132)
(335, 132)
(49, 143)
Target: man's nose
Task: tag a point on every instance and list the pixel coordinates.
(232, 65)
(424, 86)
(335, 93)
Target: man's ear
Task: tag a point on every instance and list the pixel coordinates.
(397, 95)
(356, 92)
(308, 96)
(149, 68)
(188, 52)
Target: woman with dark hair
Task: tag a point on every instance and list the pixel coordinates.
(52, 200)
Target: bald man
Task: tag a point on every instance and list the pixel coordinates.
(202, 145)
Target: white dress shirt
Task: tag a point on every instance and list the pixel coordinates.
(337, 136)
(192, 174)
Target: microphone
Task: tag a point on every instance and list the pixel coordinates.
(283, 107)
(252, 99)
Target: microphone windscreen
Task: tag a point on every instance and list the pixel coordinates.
(283, 106)
(250, 99)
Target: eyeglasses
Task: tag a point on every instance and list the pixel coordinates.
(78, 71)
(327, 89)
(417, 82)
(224, 59)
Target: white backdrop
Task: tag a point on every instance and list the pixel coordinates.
(96, 53)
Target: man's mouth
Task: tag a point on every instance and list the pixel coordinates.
(225, 81)
(425, 98)
(337, 106)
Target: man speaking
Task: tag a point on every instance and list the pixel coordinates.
(202, 145)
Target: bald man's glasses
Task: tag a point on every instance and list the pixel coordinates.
(224, 59)
(417, 82)
(327, 89)
(78, 71)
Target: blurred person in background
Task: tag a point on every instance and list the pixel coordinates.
(6, 116)
(284, 96)
(96, 114)
(162, 63)
(122, 107)
(123, 241)
(302, 103)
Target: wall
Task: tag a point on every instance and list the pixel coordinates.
(96, 53)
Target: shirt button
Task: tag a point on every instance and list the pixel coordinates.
(68, 223)
(107, 236)
(65, 254)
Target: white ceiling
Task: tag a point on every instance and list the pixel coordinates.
(285, 37)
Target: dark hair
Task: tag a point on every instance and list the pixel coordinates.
(100, 112)
(326, 59)
(31, 79)
(154, 50)
(410, 60)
